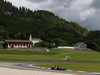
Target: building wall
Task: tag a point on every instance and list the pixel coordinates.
(65, 47)
(18, 45)
(34, 42)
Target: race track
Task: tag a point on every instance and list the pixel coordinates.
(26, 65)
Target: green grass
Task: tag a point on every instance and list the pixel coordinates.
(77, 67)
(56, 56)
(26, 52)
(53, 56)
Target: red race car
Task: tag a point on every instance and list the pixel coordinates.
(57, 68)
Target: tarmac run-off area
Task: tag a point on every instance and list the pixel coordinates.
(10, 71)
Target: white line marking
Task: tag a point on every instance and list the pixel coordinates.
(49, 68)
(81, 71)
(69, 70)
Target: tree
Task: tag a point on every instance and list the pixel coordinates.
(59, 42)
(97, 47)
(42, 24)
(42, 44)
(17, 35)
(3, 33)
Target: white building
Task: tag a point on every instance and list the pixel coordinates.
(18, 43)
(34, 40)
(22, 43)
(65, 47)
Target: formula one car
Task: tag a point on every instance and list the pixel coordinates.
(57, 68)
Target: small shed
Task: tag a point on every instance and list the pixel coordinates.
(80, 45)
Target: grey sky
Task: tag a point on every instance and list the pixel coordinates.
(84, 12)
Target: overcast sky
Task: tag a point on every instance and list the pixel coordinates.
(84, 12)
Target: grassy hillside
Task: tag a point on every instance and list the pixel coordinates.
(20, 23)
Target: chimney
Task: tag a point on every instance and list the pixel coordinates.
(30, 37)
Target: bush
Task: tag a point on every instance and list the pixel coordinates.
(97, 48)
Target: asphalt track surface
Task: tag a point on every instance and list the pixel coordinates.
(25, 65)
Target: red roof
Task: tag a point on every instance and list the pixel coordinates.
(24, 41)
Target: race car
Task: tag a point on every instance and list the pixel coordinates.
(57, 68)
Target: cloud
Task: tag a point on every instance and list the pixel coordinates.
(96, 4)
(84, 12)
(37, 1)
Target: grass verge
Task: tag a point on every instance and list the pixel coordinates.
(78, 67)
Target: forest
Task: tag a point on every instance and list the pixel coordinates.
(19, 23)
